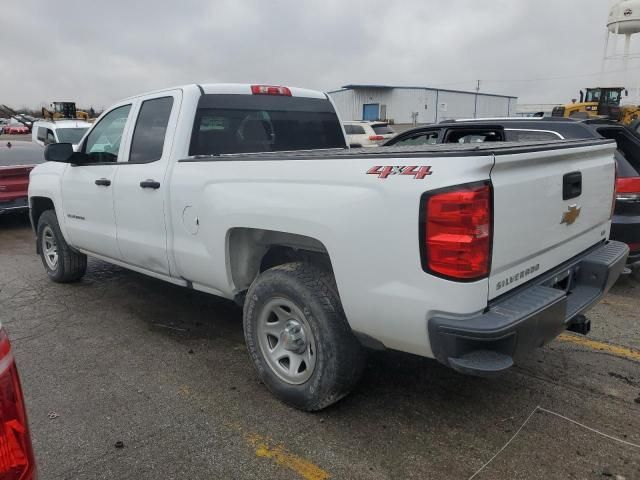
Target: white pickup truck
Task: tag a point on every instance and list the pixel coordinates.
(470, 254)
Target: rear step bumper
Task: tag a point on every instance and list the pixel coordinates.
(14, 205)
(528, 317)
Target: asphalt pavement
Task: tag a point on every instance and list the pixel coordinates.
(127, 377)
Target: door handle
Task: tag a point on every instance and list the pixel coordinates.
(150, 184)
(103, 182)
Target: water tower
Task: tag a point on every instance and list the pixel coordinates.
(624, 19)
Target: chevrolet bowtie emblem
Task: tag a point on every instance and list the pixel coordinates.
(570, 215)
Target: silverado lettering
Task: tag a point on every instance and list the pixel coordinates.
(518, 276)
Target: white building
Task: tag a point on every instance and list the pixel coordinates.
(415, 105)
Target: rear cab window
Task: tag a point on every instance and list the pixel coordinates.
(227, 124)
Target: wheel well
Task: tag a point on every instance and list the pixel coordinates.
(252, 251)
(38, 206)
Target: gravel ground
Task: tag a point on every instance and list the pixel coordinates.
(120, 357)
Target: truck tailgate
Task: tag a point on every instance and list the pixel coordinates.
(549, 205)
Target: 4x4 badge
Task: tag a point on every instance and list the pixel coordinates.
(570, 216)
(413, 171)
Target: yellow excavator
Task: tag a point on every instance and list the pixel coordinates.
(64, 110)
(600, 102)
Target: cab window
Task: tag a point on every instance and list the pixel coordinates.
(103, 143)
(421, 138)
(150, 130)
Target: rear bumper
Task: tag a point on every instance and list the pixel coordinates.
(18, 204)
(528, 317)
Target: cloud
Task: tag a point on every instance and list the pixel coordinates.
(95, 53)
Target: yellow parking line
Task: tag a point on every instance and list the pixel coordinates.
(304, 468)
(610, 348)
(267, 448)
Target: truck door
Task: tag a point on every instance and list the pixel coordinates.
(87, 190)
(141, 184)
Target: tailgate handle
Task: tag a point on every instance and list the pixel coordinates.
(571, 185)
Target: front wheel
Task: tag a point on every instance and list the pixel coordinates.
(298, 337)
(62, 264)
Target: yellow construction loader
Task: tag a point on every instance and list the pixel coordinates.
(600, 102)
(64, 110)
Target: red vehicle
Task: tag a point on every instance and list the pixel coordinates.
(17, 461)
(15, 129)
(17, 159)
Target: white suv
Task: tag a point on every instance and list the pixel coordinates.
(63, 130)
(367, 134)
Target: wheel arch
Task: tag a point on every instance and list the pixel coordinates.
(251, 251)
(37, 206)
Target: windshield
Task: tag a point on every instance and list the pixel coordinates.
(70, 135)
(611, 97)
(593, 95)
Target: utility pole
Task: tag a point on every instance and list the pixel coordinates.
(475, 109)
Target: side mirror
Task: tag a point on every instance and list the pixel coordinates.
(626, 92)
(58, 152)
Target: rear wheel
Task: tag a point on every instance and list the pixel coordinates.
(298, 337)
(61, 263)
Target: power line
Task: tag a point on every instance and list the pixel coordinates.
(541, 79)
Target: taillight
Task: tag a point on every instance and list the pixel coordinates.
(457, 229)
(374, 138)
(270, 90)
(628, 189)
(16, 453)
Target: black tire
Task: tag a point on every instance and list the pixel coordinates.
(340, 358)
(71, 265)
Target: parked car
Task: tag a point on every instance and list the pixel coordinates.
(15, 129)
(625, 225)
(367, 134)
(17, 159)
(59, 131)
(17, 461)
(249, 192)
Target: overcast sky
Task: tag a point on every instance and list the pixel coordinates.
(96, 52)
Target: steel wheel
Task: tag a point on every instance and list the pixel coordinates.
(286, 341)
(49, 248)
